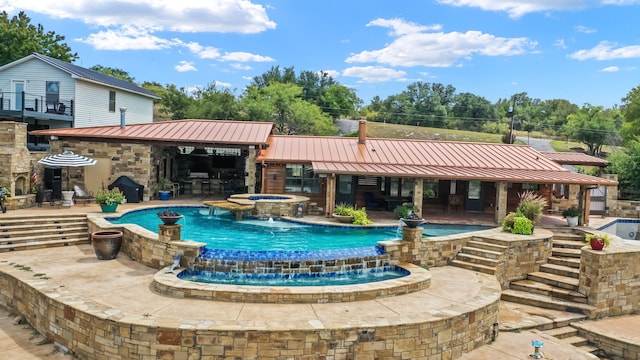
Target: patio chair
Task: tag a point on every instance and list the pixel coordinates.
(83, 196)
(371, 202)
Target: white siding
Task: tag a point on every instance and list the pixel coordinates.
(36, 74)
(95, 106)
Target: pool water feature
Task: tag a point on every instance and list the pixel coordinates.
(220, 230)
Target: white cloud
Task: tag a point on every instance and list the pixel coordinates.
(203, 52)
(241, 56)
(439, 49)
(610, 69)
(223, 16)
(185, 66)
(241, 67)
(605, 51)
(560, 43)
(126, 38)
(401, 27)
(373, 74)
(518, 8)
(584, 29)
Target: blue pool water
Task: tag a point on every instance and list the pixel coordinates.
(325, 279)
(224, 232)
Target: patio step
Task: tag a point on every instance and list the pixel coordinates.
(474, 267)
(564, 261)
(569, 335)
(567, 244)
(564, 252)
(535, 287)
(570, 236)
(480, 255)
(546, 301)
(35, 232)
(555, 280)
(562, 270)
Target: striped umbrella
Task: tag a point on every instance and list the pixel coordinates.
(66, 159)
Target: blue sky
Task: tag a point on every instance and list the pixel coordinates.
(585, 51)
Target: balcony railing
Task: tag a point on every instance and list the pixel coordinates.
(35, 103)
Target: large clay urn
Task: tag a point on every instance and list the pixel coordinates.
(106, 244)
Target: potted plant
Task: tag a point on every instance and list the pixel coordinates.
(402, 211)
(169, 217)
(343, 212)
(109, 199)
(164, 188)
(598, 241)
(572, 215)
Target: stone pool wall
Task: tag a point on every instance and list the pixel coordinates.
(94, 331)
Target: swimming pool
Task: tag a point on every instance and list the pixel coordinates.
(224, 232)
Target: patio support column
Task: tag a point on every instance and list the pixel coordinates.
(330, 195)
(250, 170)
(501, 201)
(584, 201)
(417, 195)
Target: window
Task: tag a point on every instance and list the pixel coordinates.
(301, 179)
(430, 189)
(405, 185)
(112, 101)
(529, 186)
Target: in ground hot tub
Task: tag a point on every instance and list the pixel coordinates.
(271, 205)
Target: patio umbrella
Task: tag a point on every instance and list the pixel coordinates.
(67, 159)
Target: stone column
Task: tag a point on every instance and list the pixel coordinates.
(167, 233)
(250, 169)
(418, 195)
(412, 237)
(330, 195)
(501, 202)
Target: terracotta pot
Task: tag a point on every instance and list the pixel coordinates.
(596, 244)
(106, 244)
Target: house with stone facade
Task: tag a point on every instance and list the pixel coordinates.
(224, 157)
(46, 93)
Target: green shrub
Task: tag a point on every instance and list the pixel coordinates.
(531, 205)
(401, 211)
(571, 212)
(344, 209)
(522, 226)
(360, 217)
(507, 223)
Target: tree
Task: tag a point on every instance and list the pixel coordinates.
(338, 100)
(627, 165)
(630, 109)
(176, 102)
(115, 72)
(18, 38)
(594, 127)
(211, 103)
(470, 112)
(281, 104)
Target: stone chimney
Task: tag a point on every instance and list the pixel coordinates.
(362, 132)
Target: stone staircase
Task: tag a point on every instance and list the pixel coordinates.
(480, 255)
(24, 233)
(555, 286)
(569, 335)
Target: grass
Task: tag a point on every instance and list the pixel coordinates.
(394, 131)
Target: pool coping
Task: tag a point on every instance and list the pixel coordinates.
(168, 283)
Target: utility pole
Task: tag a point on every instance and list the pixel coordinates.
(512, 110)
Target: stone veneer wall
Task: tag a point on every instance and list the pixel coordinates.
(611, 279)
(129, 159)
(95, 331)
(148, 248)
(525, 253)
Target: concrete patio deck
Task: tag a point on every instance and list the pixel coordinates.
(130, 280)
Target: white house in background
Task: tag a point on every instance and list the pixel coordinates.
(47, 93)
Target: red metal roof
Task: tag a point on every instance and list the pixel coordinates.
(183, 131)
(422, 158)
(575, 158)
